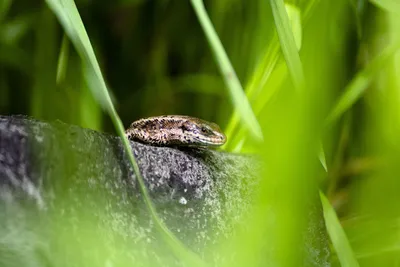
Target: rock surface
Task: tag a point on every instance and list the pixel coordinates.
(68, 197)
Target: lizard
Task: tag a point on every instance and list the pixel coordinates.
(176, 130)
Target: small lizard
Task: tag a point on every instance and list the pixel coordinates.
(176, 130)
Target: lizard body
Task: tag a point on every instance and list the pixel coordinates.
(176, 130)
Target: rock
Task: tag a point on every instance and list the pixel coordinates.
(68, 197)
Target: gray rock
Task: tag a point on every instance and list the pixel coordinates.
(68, 197)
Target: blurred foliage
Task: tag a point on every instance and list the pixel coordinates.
(156, 60)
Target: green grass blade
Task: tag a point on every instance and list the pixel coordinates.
(69, 17)
(45, 57)
(360, 83)
(12, 31)
(240, 101)
(288, 43)
(337, 235)
(388, 5)
(294, 16)
(321, 156)
(63, 61)
(90, 113)
(256, 87)
(4, 8)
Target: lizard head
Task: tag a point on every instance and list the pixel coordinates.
(203, 133)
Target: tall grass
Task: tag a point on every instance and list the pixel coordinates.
(68, 16)
(284, 79)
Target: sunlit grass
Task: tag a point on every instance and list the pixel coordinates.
(318, 77)
(339, 239)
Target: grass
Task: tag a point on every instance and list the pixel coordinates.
(317, 77)
(238, 97)
(288, 44)
(68, 16)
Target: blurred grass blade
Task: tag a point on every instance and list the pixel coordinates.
(288, 43)
(337, 235)
(14, 30)
(90, 113)
(255, 86)
(43, 68)
(321, 156)
(309, 8)
(360, 83)
(295, 22)
(261, 99)
(358, 8)
(240, 101)
(4, 8)
(256, 89)
(16, 57)
(69, 17)
(388, 5)
(63, 60)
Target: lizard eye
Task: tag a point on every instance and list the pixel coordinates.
(204, 130)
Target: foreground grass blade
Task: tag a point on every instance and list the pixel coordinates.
(240, 101)
(360, 83)
(388, 5)
(68, 16)
(337, 235)
(288, 44)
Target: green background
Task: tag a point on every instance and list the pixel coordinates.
(329, 114)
